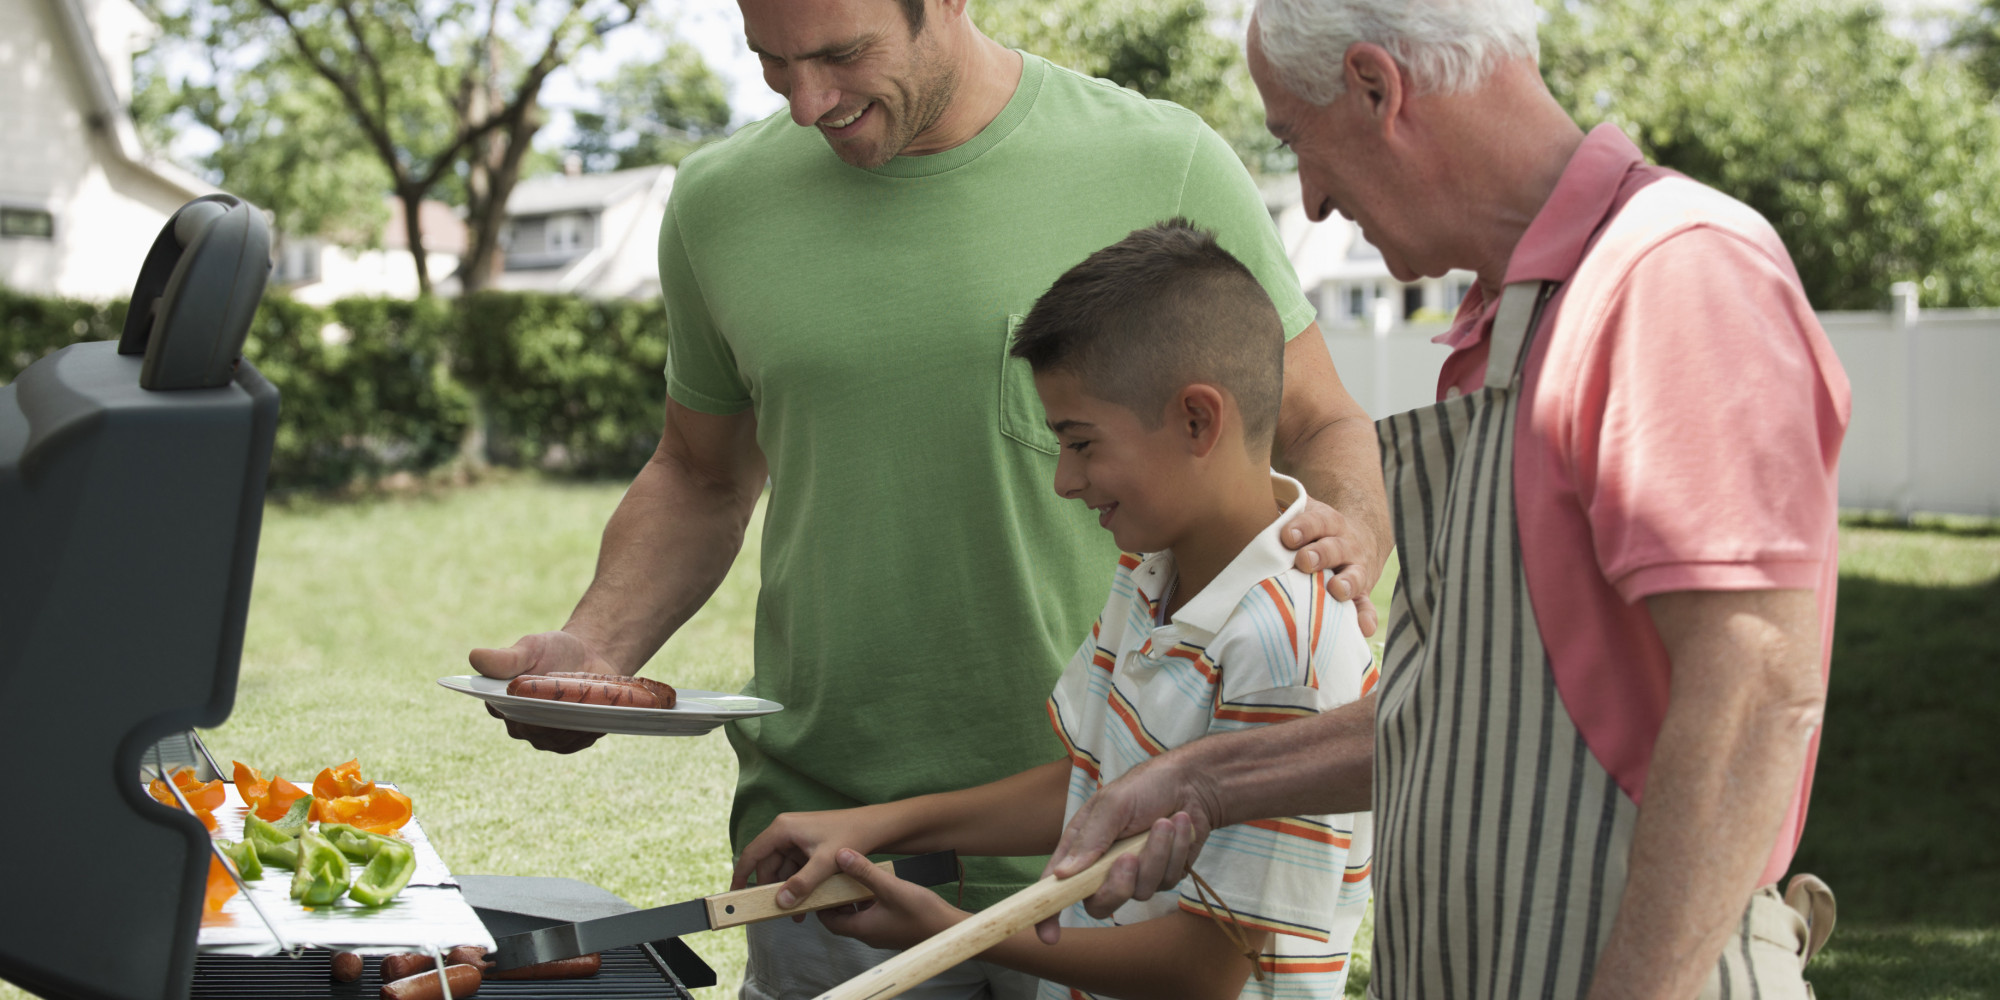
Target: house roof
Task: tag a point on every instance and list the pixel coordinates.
(108, 111)
(582, 192)
(442, 229)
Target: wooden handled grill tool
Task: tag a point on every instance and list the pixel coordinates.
(983, 930)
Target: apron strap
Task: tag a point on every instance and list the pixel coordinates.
(1513, 327)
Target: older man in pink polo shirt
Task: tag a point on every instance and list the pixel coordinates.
(1591, 751)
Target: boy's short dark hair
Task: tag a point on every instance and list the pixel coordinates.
(1145, 317)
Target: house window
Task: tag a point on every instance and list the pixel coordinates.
(27, 223)
(568, 233)
(1413, 300)
(1455, 292)
(1357, 302)
(298, 262)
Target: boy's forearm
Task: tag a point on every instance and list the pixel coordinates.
(1016, 816)
(1179, 956)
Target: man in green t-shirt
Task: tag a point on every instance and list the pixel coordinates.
(841, 305)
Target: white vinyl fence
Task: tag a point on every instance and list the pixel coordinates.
(1925, 430)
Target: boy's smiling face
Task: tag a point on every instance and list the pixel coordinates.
(1129, 474)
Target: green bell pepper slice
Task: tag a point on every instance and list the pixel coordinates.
(244, 856)
(359, 845)
(257, 829)
(386, 875)
(285, 855)
(322, 874)
(293, 822)
(270, 844)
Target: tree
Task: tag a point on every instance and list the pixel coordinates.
(1174, 50)
(279, 139)
(441, 93)
(1876, 161)
(654, 112)
(1978, 37)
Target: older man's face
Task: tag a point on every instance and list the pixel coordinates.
(852, 69)
(1343, 164)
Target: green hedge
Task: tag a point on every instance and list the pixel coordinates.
(376, 386)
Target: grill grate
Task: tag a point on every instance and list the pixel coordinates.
(628, 974)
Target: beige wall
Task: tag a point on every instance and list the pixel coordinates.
(107, 211)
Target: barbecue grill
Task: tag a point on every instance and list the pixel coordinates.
(131, 496)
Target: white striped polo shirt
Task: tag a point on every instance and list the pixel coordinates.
(1262, 643)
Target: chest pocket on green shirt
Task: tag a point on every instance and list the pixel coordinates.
(1021, 414)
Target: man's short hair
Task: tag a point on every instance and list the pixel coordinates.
(913, 12)
(1155, 312)
(1447, 46)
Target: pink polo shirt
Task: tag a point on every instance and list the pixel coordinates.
(1681, 421)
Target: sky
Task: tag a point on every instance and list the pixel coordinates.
(715, 27)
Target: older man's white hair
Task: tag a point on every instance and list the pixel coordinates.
(1447, 46)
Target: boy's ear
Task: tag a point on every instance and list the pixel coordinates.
(1199, 412)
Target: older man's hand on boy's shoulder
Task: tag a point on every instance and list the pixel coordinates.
(901, 914)
(1325, 537)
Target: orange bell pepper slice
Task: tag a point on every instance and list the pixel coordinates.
(279, 799)
(204, 796)
(250, 784)
(384, 810)
(199, 795)
(220, 885)
(341, 780)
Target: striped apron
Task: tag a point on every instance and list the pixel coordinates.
(1501, 842)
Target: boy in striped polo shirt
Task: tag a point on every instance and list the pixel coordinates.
(1159, 363)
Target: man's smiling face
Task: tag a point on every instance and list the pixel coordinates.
(854, 70)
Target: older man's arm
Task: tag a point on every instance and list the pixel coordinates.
(1745, 698)
(1327, 441)
(1322, 764)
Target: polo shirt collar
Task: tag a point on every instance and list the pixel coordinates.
(1265, 557)
(1553, 245)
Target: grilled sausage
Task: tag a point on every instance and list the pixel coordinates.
(581, 967)
(346, 966)
(464, 981)
(593, 689)
(406, 964)
(468, 954)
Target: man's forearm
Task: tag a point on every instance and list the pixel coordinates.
(1321, 764)
(1744, 704)
(1327, 441)
(665, 550)
(1341, 465)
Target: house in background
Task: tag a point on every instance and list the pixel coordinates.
(1344, 275)
(319, 270)
(80, 200)
(587, 234)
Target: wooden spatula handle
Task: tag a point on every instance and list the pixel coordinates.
(760, 902)
(983, 930)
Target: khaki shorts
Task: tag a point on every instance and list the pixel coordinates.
(798, 961)
(1767, 957)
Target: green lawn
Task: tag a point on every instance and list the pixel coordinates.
(360, 606)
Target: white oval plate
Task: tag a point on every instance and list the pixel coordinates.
(694, 712)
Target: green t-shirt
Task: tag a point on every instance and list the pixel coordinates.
(923, 585)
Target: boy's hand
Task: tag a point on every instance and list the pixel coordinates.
(901, 914)
(801, 848)
(1323, 538)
